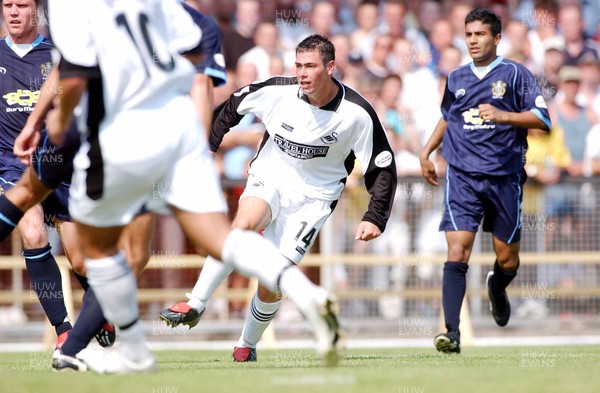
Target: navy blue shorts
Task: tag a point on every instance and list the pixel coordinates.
(471, 198)
(56, 204)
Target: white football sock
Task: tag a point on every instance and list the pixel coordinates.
(115, 287)
(260, 315)
(213, 273)
(298, 288)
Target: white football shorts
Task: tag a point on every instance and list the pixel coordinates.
(148, 158)
(295, 219)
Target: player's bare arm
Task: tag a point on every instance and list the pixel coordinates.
(527, 119)
(29, 137)
(60, 118)
(427, 166)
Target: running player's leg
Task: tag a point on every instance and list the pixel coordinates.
(135, 241)
(293, 230)
(503, 219)
(27, 192)
(252, 255)
(463, 211)
(42, 267)
(253, 214)
(43, 270)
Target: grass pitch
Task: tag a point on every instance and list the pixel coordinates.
(506, 370)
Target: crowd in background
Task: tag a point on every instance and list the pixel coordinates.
(398, 54)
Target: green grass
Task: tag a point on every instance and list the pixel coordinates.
(506, 370)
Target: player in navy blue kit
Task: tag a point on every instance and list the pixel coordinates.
(25, 63)
(487, 107)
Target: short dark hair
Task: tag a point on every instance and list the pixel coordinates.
(320, 43)
(486, 17)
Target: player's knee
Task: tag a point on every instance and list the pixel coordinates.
(509, 262)
(266, 295)
(79, 267)
(243, 223)
(34, 236)
(458, 253)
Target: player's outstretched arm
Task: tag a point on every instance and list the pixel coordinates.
(526, 119)
(427, 166)
(28, 139)
(367, 231)
(60, 118)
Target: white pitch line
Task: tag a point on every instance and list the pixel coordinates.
(352, 344)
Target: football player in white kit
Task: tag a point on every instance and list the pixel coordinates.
(143, 134)
(316, 128)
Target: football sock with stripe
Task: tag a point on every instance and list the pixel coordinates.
(501, 279)
(260, 315)
(253, 256)
(453, 292)
(45, 278)
(10, 216)
(90, 320)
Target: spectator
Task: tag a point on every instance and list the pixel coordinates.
(440, 38)
(265, 39)
(367, 17)
(239, 40)
(571, 25)
(589, 90)
(377, 65)
(553, 62)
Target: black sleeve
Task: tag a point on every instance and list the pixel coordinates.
(226, 115)
(380, 182)
(380, 175)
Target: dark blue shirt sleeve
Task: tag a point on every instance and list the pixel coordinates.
(447, 100)
(529, 96)
(213, 62)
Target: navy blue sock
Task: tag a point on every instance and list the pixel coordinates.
(82, 281)
(10, 216)
(45, 278)
(500, 279)
(89, 322)
(453, 292)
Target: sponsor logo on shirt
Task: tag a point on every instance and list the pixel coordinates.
(287, 127)
(459, 93)
(330, 139)
(383, 159)
(25, 99)
(298, 150)
(474, 122)
(498, 89)
(2, 70)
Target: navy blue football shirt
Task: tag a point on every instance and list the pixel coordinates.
(20, 81)
(479, 146)
(213, 62)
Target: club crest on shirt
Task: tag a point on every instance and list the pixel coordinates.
(498, 89)
(45, 69)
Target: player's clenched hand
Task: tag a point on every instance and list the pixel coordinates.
(428, 170)
(367, 231)
(26, 143)
(489, 113)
